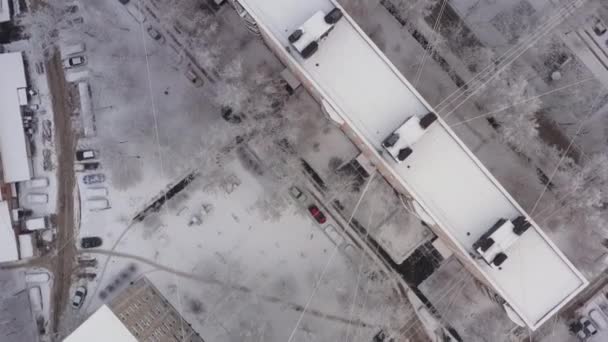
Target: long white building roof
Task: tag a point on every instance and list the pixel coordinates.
(374, 99)
(8, 242)
(5, 14)
(102, 326)
(16, 165)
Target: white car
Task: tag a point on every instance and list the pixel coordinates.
(74, 62)
(37, 198)
(79, 295)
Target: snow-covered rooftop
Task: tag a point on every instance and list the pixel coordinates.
(5, 14)
(359, 82)
(8, 242)
(16, 165)
(102, 326)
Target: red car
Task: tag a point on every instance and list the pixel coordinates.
(317, 214)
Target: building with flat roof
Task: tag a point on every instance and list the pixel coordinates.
(5, 13)
(149, 316)
(102, 326)
(8, 241)
(361, 90)
(14, 152)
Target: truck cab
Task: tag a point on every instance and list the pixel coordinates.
(306, 38)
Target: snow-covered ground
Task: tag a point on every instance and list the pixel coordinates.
(17, 290)
(463, 303)
(235, 276)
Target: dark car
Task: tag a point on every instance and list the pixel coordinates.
(154, 34)
(79, 295)
(94, 178)
(90, 166)
(90, 242)
(230, 116)
(317, 214)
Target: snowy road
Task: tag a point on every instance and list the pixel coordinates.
(63, 263)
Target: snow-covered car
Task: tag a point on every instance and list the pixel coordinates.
(37, 198)
(90, 242)
(74, 62)
(193, 77)
(85, 155)
(94, 178)
(98, 204)
(154, 34)
(297, 194)
(135, 12)
(599, 318)
(38, 182)
(317, 214)
(79, 167)
(334, 235)
(79, 295)
(599, 28)
(306, 38)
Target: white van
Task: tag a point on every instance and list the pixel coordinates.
(40, 182)
(96, 192)
(98, 204)
(72, 49)
(37, 223)
(37, 198)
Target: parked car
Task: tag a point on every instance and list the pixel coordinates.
(599, 28)
(297, 194)
(39, 182)
(230, 116)
(71, 9)
(73, 62)
(94, 178)
(86, 166)
(154, 34)
(90, 242)
(193, 77)
(85, 155)
(583, 328)
(94, 192)
(317, 214)
(79, 295)
(36, 223)
(37, 198)
(97, 204)
(599, 319)
(72, 49)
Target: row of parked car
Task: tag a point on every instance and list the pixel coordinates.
(319, 216)
(94, 193)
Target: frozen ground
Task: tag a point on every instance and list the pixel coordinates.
(235, 266)
(235, 277)
(17, 319)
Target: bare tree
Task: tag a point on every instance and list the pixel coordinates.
(414, 11)
(43, 23)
